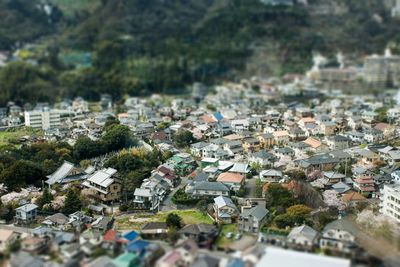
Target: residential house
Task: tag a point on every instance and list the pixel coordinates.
(296, 134)
(58, 221)
(393, 157)
(26, 213)
(315, 144)
(303, 237)
(234, 181)
(351, 199)
(337, 142)
(34, 245)
(367, 157)
(197, 149)
(334, 177)
(151, 193)
(225, 211)
(251, 145)
(356, 137)
(328, 128)
(233, 147)
(267, 140)
(271, 175)
(7, 237)
(203, 234)
(103, 185)
(281, 137)
(262, 158)
(127, 260)
(158, 230)
(322, 162)
(373, 135)
(338, 236)
(364, 184)
(66, 173)
(284, 152)
(207, 189)
(206, 260)
(252, 219)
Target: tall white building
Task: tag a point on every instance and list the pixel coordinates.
(42, 119)
(390, 204)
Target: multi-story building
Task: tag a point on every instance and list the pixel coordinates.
(390, 204)
(382, 70)
(42, 119)
(104, 185)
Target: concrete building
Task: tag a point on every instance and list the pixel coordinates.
(382, 70)
(390, 204)
(42, 119)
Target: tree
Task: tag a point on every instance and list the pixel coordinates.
(279, 198)
(118, 137)
(72, 202)
(85, 148)
(111, 121)
(20, 174)
(183, 138)
(46, 197)
(174, 221)
(295, 215)
(202, 206)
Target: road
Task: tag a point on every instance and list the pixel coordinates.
(18, 229)
(167, 204)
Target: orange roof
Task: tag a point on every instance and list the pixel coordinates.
(230, 177)
(353, 196)
(314, 143)
(382, 126)
(280, 133)
(208, 119)
(307, 120)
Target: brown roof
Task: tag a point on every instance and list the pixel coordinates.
(230, 177)
(353, 196)
(208, 119)
(314, 143)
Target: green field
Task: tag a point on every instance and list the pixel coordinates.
(7, 136)
(223, 241)
(136, 221)
(69, 7)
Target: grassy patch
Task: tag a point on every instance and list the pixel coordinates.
(223, 241)
(136, 221)
(11, 135)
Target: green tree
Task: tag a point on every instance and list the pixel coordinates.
(20, 174)
(85, 148)
(174, 221)
(279, 198)
(183, 138)
(46, 197)
(72, 202)
(118, 137)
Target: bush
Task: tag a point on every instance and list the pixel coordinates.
(180, 197)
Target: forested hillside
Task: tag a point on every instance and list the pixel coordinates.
(144, 46)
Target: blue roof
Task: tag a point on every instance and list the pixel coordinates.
(236, 263)
(138, 246)
(218, 116)
(130, 236)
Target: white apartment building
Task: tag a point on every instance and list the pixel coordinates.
(390, 204)
(42, 119)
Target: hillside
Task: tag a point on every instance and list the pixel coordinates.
(144, 46)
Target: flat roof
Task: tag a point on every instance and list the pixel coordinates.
(277, 257)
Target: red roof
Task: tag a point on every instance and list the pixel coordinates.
(110, 236)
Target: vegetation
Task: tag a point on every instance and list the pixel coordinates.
(180, 197)
(181, 42)
(183, 138)
(72, 202)
(174, 221)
